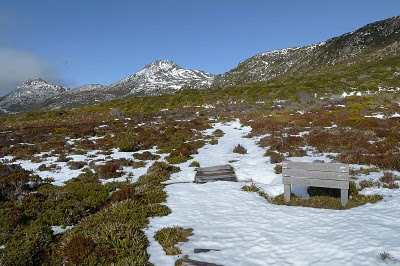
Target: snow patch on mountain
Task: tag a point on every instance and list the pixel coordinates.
(163, 76)
(88, 87)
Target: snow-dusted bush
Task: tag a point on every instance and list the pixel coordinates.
(240, 149)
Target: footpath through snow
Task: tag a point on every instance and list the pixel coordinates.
(250, 231)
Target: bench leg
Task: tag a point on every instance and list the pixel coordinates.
(344, 196)
(286, 189)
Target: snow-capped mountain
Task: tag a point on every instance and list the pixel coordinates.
(84, 95)
(159, 77)
(163, 76)
(30, 93)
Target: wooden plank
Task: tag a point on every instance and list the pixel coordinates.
(344, 196)
(204, 250)
(323, 167)
(215, 176)
(315, 174)
(189, 262)
(214, 172)
(215, 168)
(342, 184)
(215, 180)
(286, 189)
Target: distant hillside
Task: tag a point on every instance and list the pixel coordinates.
(371, 42)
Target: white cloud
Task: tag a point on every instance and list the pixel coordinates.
(18, 66)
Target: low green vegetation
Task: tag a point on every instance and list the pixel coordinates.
(278, 169)
(323, 198)
(252, 187)
(146, 156)
(194, 164)
(108, 220)
(170, 236)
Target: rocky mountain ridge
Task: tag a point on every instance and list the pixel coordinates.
(377, 39)
(163, 76)
(371, 42)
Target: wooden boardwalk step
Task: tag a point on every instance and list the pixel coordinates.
(215, 168)
(215, 173)
(204, 250)
(189, 262)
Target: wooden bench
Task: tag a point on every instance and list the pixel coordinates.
(335, 175)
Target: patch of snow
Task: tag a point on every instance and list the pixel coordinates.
(57, 229)
(379, 116)
(382, 116)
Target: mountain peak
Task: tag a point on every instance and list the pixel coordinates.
(163, 76)
(34, 81)
(30, 93)
(162, 65)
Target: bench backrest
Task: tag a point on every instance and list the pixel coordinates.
(334, 171)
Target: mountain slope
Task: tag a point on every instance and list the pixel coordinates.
(159, 77)
(376, 40)
(372, 43)
(84, 95)
(29, 94)
(162, 76)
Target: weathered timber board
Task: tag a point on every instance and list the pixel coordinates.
(342, 184)
(189, 262)
(204, 250)
(215, 173)
(228, 171)
(315, 174)
(215, 168)
(216, 176)
(322, 167)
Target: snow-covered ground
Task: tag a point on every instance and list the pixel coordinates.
(253, 166)
(64, 173)
(250, 231)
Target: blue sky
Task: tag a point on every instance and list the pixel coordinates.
(78, 42)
